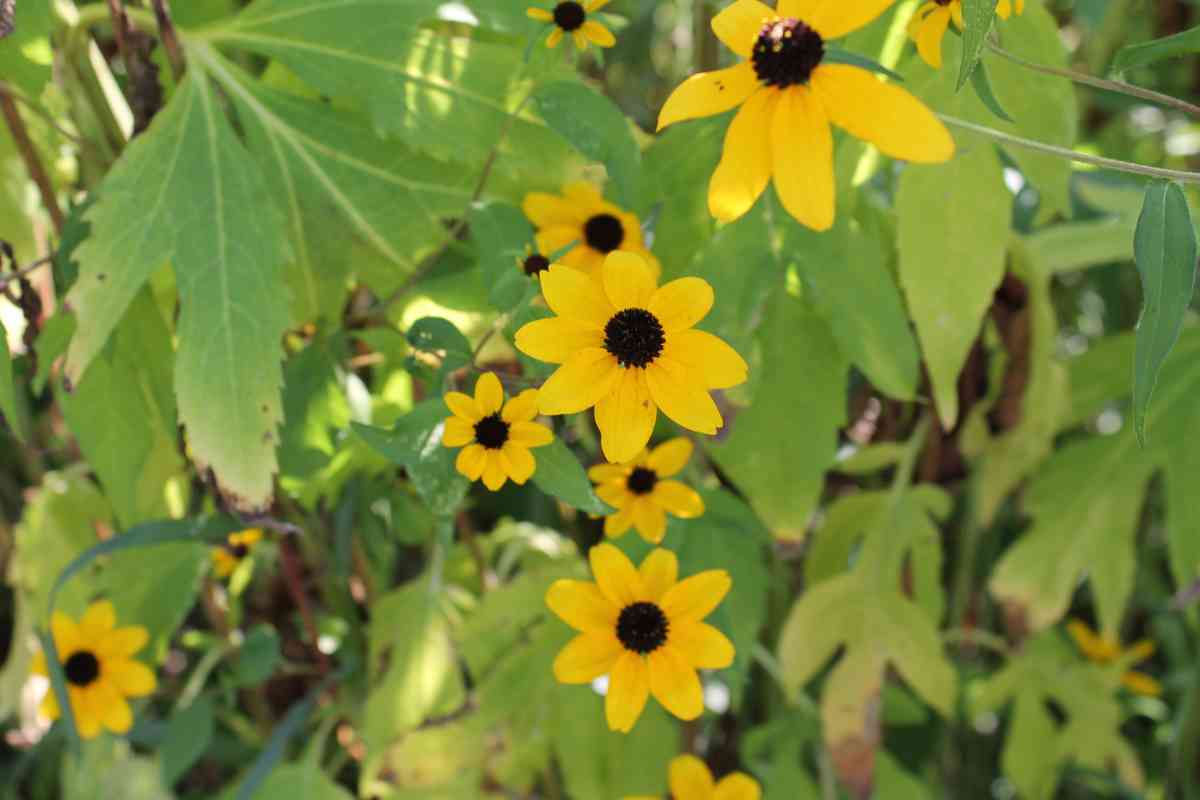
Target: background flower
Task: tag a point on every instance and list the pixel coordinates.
(642, 495)
(582, 216)
(496, 443)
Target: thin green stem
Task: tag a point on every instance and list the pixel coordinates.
(96, 13)
(979, 638)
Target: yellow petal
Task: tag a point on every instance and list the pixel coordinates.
(132, 678)
(521, 408)
(602, 473)
(956, 13)
(711, 358)
(554, 38)
(124, 642)
(682, 303)
(650, 520)
(738, 25)
(541, 15)
(585, 379)
(626, 416)
(97, 621)
(692, 599)
(37, 665)
(518, 462)
(494, 472)
(617, 523)
(248, 537)
(471, 461)
(580, 40)
(670, 457)
(708, 93)
(802, 157)
(546, 210)
(615, 575)
(1003, 9)
(112, 708)
(929, 33)
(889, 117)
(681, 398)
(615, 494)
(554, 339)
(1140, 651)
(737, 786)
(65, 632)
(529, 434)
(587, 657)
(87, 716)
(835, 18)
(571, 294)
(659, 570)
(489, 394)
(628, 688)
(457, 432)
(745, 166)
(223, 563)
(1141, 683)
(688, 776)
(675, 684)
(586, 197)
(627, 280)
(48, 708)
(1091, 645)
(462, 405)
(681, 500)
(702, 645)
(597, 34)
(581, 605)
(554, 238)
(586, 260)
(595, 5)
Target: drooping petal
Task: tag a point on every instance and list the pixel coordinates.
(615, 574)
(681, 398)
(675, 684)
(626, 417)
(597, 34)
(595, 5)
(1141, 683)
(585, 379)
(745, 166)
(132, 678)
(617, 523)
(688, 776)
(738, 25)
(97, 621)
(716, 362)
(555, 338)
(521, 408)
(494, 472)
(546, 210)
(581, 605)
(708, 93)
(587, 657)
(927, 31)
(702, 645)
(489, 394)
(628, 689)
(471, 461)
(802, 158)
(650, 521)
(462, 405)
(1003, 9)
(554, 38)
(112, 708)
(1140, 651)
(530, 434)
(571, 294)
(541, 15)
(458, 432)
(659, 571)
(692, 599)
(681, 303)
(670, 457)
(627, 280)
(835, 18)
(889, 117)
(520, 463)
(123, 642)
(1090, 644)
(680, 499)
(737, 786)
(602, 473)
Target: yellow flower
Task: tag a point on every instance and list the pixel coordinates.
(644, 630)
(929, 25)
(789, 96)
(1103, 650)
(237, 546)
(629, 349)
(572, 17)
(497, 441)
(582, 215)
(641, 496)
(690, 779)
(96, 659)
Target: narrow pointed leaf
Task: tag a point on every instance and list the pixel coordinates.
(978, 16)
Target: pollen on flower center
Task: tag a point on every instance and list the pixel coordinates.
(491, 432)
(81, 668)
(569, 15)
(641, 480)
(634, 337)
(535, 263)
(603, 233)
(642, 627)
(786, 52)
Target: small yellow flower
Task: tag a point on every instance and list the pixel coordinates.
(572, 17)
(237, 546)
(644, 629)
(628, 348)
(581, 214)
(1103, 650)
(789, 97)
(929, 25)
(641, 495)
(96, 659)
(497, 442)
(690, 779)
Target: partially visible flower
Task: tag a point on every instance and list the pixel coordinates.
(641, 495)
(497, 442)
(689, 779)
(97, 662)
(533, 263)
(1104, 650)
(235, 548)
(644, 629)
(929, 24)
(581, 215)
(572, 17)
(789, 94)
(629, 348)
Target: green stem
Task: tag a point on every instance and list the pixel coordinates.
(1183, 778)
(880, 549)
(977, 637)
(96, 13)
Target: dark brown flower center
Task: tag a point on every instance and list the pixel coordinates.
(603, 233)
(641, 480)
(535, 263)
(634, 337)
(786, 53)
(642, 627)
(239, 550)
(81, 668)
(491, 432)
(569, 15)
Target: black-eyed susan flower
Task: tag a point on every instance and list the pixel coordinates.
(929, 25)
(642, 628)
(533, 263)
(689, 779)
(234, 550)
(628, 348)
(789, 94)
(572, 17)
(495, 436)
(97, 662)
(643, 493)
(1104, 650)
(582, 216)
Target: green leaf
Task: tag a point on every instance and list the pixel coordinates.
(1165, 249)
(676, 169)
(189, 732)
(983, 90)
(501, 235)
(258, 657)
(594, 126)
(1139, 55)
(181, 192)
(438, 336)
(978, 17)
(316, 411)
(304, 781)
(836, 55)
(8, 391)
(560, 474)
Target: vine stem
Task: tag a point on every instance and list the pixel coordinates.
(1063, 152)
(33, 162)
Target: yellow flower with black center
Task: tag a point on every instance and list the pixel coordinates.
(789, 94)
(572, 17)
(495, 436)
(235, 549)
(581, 216)
(1104, 650)
(533, 263)
(929, 25)
(642, 494)
(97, 662)
(690, 779)
(644, 629)
(628, 348)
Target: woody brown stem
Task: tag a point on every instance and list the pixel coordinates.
(290, 560)
(33, 162)
(166, 33)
